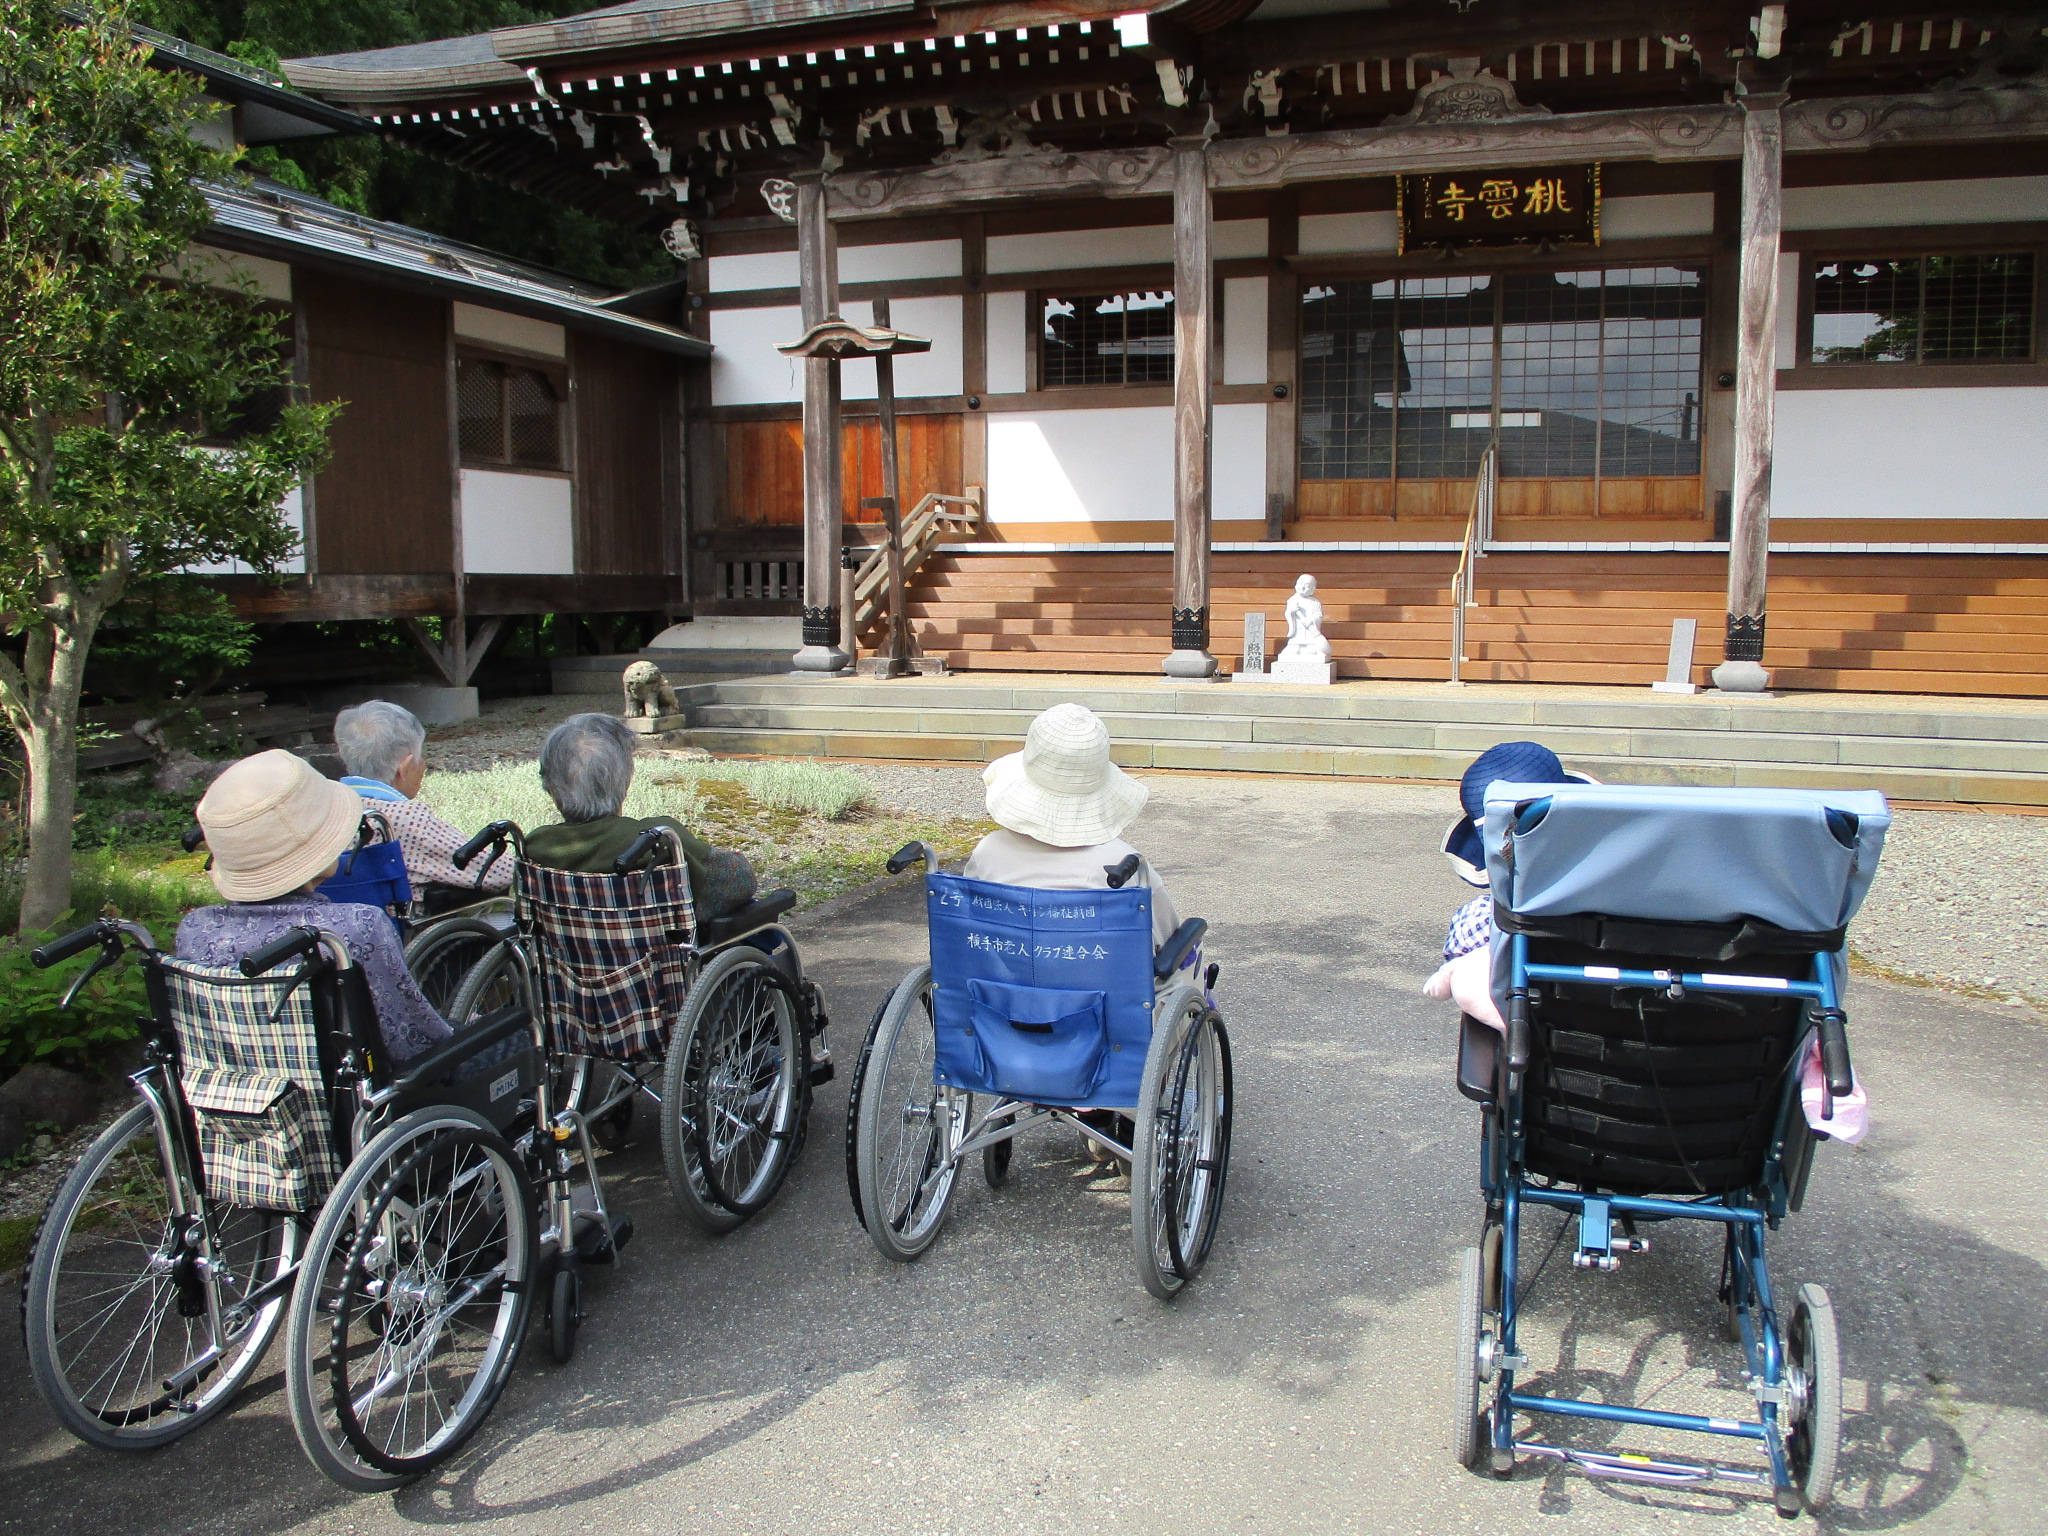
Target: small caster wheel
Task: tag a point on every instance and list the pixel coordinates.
(565, 1312)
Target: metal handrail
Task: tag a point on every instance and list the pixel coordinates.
(1478, 534)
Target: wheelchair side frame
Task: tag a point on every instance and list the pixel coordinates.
(1745, 1216)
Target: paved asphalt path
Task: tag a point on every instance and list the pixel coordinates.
(789, 1379)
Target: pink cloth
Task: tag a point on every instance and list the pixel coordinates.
(1468, 981)
(1851, 1119)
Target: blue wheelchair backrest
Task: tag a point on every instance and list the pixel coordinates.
(1043, 996)
(1800, 859)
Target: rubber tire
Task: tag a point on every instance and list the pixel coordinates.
(1813, 1316)
(853, 1101)
(565, 1311)
(308, 1324)
(995, 1160)
(679, 1152)
(37, 1278)
(473, 934)
(1468, 1425)
(904, 1010)
(1182, 1004)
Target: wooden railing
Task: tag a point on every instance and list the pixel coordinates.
(1478, 534)
(934, 519)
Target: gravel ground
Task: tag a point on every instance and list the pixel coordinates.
(1961, 901)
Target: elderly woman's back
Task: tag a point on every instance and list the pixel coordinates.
(586, 766)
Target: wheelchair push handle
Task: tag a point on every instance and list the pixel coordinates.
(645, 844)
(1119, 874)
(909, 854)
(77, 942)
(294, 943)
(496, 832)
(192, 837)
(1834, 1053)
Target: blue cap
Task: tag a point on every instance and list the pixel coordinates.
(1518, 762)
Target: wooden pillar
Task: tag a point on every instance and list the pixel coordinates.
(1756, 393)
(1193, 305)
(897, 648)
(818, 273)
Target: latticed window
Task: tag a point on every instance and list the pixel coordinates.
(508, 414)
(1106, 338)
(1924, 309)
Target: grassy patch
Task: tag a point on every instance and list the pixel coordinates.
(17, 1235)
(512, 792)
(817, 788)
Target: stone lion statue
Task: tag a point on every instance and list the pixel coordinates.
(648, 692)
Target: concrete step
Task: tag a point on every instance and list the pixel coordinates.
(1916, 750)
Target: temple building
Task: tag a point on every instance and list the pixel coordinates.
(1604, 315)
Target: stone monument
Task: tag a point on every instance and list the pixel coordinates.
(1306, 658)
(1252, 667)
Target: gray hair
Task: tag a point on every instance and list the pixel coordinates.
(376, 738)
(586, 766)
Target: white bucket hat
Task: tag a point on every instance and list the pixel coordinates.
(1062, 788)
(273, 822)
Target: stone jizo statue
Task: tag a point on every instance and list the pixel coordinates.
(648, 692)
(1306, 658)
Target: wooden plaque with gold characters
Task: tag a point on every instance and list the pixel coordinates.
(1542, 205)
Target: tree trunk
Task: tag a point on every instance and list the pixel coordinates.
(52, 747)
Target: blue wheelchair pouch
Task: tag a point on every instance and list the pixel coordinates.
(372, 874)
(1042, 996)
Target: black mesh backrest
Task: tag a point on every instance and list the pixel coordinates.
(1633, 1092)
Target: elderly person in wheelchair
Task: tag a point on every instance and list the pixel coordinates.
(1061, 986)
(383, 747)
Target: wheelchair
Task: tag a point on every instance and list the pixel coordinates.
(1039, 1006)
(279, 1172)
(711, 1022)
(1671, 966)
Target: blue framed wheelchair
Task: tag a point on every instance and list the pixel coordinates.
(1039, 1006)
(1667, 962)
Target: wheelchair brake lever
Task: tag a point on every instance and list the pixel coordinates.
(110, 951)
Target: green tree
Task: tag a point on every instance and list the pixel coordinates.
(122, 363)
(387, 180)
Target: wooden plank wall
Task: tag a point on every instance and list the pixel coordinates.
(385, 503)
(625, 410)
(1635, 496)
(1878, 623)
(764, 467)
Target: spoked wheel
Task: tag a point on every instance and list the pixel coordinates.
(910, 1127)
(1182, 1151)
(134, 1316)
(736, 1094)
(1813, 1359)
(413, 1300)
(444, 955)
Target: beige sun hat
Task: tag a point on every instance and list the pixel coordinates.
(1062, 788)
(273, 822)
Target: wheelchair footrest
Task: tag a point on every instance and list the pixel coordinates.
(1623, 1466)
(595, 1245)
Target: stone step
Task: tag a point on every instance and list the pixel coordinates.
(1433, 763)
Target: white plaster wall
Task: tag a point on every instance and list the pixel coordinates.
(1988, 200)
(1063, 250)
(1244, 330)
(1007, 340)
(759, 269)
(1879, 453)
(905, 259)
(517, 524)
(1112, 465)
(273, 279)
(517, 331)
(1659, 217)
(936, 372)
(1237, 462)
(1340, 234)
(293, 508)
(746, 369)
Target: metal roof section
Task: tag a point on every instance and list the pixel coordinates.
(266, 219)
(270, 110)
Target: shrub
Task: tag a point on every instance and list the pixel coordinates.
(816, 788)
(33, 1027)
(512, 792)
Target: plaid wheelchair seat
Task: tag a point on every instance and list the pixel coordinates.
(249, 1065)
(610, 955)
